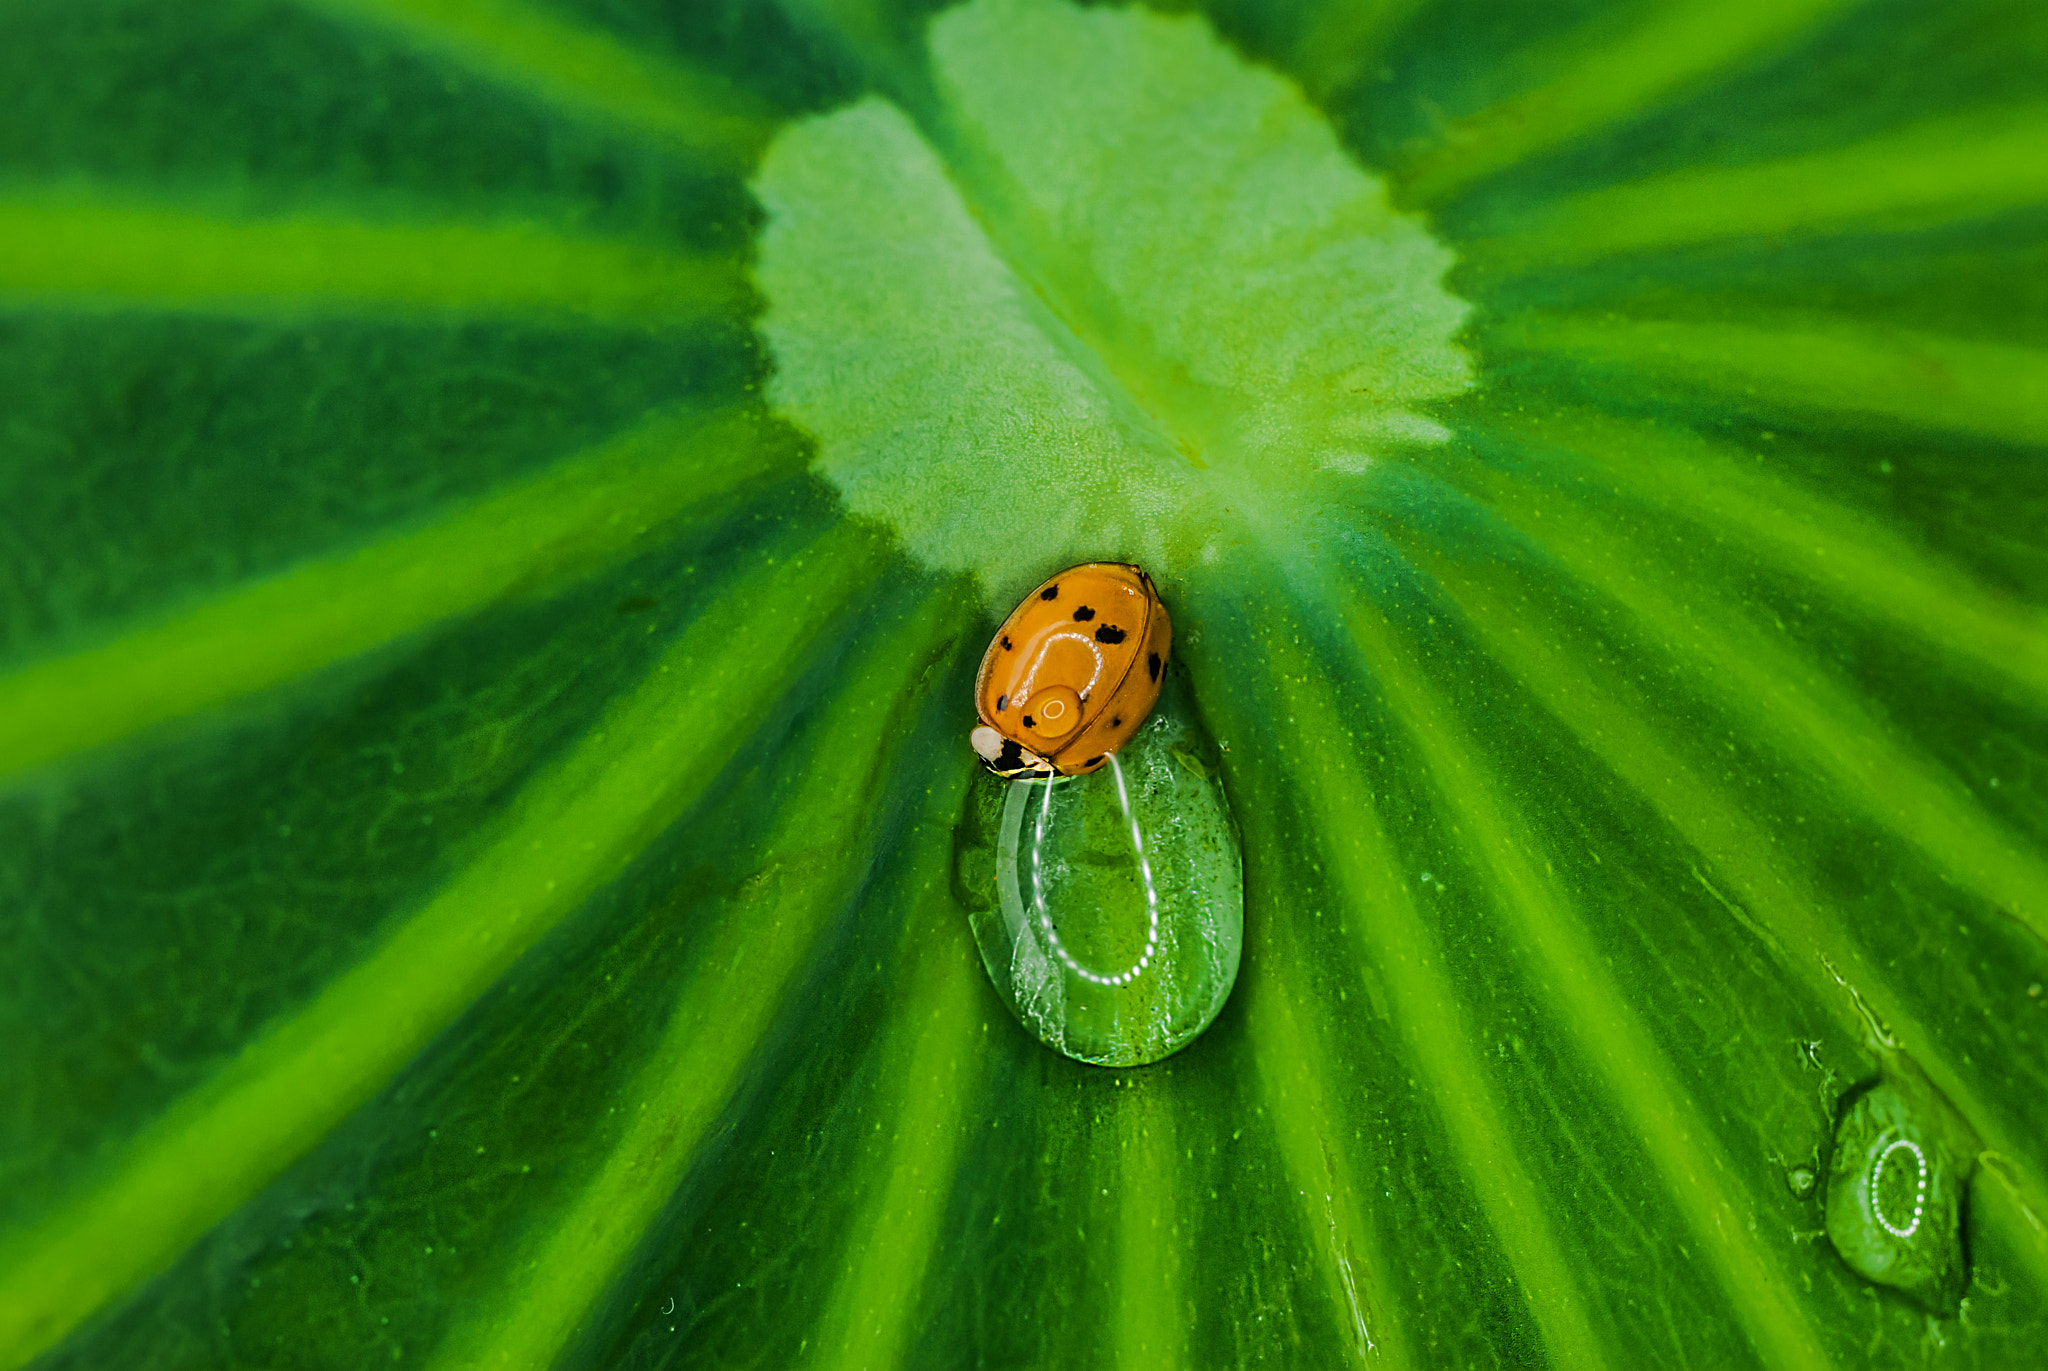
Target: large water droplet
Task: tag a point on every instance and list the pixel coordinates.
(1109, 908)
(1896, 1184)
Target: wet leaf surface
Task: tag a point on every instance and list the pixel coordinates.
(500, 505)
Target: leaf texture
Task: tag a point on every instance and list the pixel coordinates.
(500, 504)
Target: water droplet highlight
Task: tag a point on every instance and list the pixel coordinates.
(1897, 1179)
(1109, 907)
(1800, 1179)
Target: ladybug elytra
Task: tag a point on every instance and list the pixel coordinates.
(1072, 672)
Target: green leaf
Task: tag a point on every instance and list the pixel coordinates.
(500, 506)
(1154, 301)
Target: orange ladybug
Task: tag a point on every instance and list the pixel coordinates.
(1072, 672)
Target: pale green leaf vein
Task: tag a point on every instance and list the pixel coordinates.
(1151, 1321)
(1784, 698)
(1295, 1064)
(1595, 78)
(1342, 39)
(1962, 167)
(571, 518)
(1388, 933)
(568, 833)
(935, 1050)
(1736, 496)
(1296, 1044)
(823, 844)
(1798, 930)
(1613, 1040)
(107, 248)
(1996, 390)
(580, 70)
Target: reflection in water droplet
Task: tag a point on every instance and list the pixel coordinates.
(1109, 908)
(1897, 1178)
(1800, 1178)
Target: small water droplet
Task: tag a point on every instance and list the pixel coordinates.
(1897, 1181)
(1801, 1179)
(1109, 907)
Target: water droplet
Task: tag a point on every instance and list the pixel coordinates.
(1109, 908)
(1897, 1179)
(1800, 1179)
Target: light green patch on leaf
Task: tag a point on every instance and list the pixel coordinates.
(1727, 491)
(1534, 915)
(1976, 164)
(1597, 77)
(1130, 293)
(564, 837)
(1393, 935)
(751, 960)
(1817, 363)
(1814, 716)
(592, 509)
(578, 68)
(108, 250)
(1152, 1329)
(1805, 934)
(937, 1045)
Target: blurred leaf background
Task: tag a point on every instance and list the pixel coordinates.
(477, 870)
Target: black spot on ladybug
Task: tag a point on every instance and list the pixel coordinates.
(1011, 758)
(1006, 645)
(1093, 761)
(1028, 723)
(1152, 664)
(1117, 722)
(1109, 633)
(1051, 592)
(1084, 614)
(1002, 703)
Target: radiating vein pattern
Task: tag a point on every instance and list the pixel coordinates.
(1789, 700)
(1339, 43)
(569, 833)
(1945, 170)
(114, 252)
(1809, 364)
(1151, 1318)
(816, 859)
(1614, 1042)
(934, 1049)
(1799, 928)
(540, 51)
(1324, 1171)
(1600, 78)
(1847, 555)
(588, 510)
(1032, 282)
(1365, 869)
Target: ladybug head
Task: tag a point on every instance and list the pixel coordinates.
(1006, 757)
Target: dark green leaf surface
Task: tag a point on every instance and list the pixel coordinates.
(495, 537)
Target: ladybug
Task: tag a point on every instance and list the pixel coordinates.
(1072, 672)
